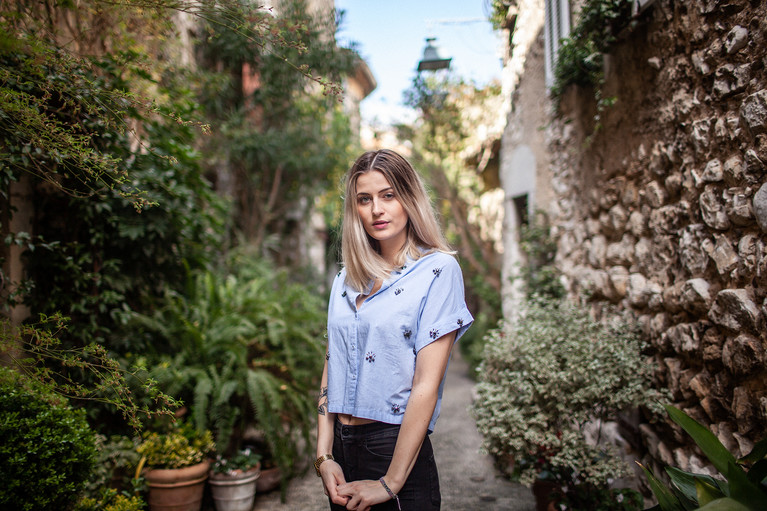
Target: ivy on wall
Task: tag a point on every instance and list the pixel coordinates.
(580, 58)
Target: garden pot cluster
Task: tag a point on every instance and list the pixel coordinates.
(181, 489)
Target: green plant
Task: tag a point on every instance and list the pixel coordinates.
(547, 377)
(744, 487)
(282, 139)
(243, 348)
(242, 461)
(579, 59)
(110, 500)
(114, 469)
(46, 448)
(87, 374)
(181, 446)
(539, 274)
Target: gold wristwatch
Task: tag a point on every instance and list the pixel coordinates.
(319, 461)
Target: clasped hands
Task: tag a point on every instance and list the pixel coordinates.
(356, 495)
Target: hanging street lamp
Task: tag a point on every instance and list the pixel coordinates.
(432, 59)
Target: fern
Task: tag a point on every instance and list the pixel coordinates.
(243, 349)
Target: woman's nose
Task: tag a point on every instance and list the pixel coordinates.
(377, 209)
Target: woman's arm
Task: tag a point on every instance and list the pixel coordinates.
(430, 367)
(331, 472)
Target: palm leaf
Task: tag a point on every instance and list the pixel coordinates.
(716, 453)
(666, 498)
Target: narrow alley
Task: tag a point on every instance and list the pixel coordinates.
(468, 479)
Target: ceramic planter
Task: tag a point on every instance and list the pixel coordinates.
(234, 492)
(545, 493)
(269, 480)
(177, 489)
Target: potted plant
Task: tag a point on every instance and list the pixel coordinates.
(176, 467)
(547, 379)
(233, 480)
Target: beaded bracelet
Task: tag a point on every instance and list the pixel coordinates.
(391, 493)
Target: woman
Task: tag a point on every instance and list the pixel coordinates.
(394, 313)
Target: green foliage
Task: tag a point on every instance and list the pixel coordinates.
(114, 470)
(84, 374)
(283, 141)
(111, 501)
(243, 348)
(54, 113)
(548, 377)
(500, 9)
(181, 445)
(108, 258)
(46, 448)
(440, 146)
(744, 486)
(579, 59)
(539, 274)
(243, 460)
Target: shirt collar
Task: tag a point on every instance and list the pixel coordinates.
(394, 276)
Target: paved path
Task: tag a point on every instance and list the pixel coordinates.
(468, 479)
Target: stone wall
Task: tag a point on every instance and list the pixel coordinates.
(661, 208)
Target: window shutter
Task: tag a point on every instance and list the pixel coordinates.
(556, 28)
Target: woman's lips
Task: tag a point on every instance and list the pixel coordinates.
(380, 225)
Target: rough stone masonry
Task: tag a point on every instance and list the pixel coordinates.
(662, 209)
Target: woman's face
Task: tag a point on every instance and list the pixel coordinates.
(380, 211)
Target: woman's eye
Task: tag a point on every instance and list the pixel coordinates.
(388, 196)
(363, 200)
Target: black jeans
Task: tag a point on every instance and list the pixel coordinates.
(364, 452)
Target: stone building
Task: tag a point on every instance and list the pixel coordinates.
(659, 202)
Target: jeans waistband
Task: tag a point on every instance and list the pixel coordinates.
(363, 429)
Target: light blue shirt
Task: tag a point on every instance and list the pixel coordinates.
(372, 350)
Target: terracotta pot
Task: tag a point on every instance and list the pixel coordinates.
(234, 492)
(177, 489)
(545, 493)
(269, 480)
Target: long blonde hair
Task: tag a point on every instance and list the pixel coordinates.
(361, 253)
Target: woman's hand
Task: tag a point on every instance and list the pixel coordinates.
(332, 477)
(363, 494)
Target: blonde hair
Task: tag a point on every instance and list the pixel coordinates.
(360, 253)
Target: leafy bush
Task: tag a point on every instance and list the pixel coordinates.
(548, 376)
(111, 501)
(46, 448)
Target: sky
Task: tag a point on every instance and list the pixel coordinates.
(391, 36)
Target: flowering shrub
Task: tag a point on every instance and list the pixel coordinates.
(243, 461)
(545, 378)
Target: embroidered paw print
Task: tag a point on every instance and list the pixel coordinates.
(395, 408)
(398, 290)
(327, 355)
(343, 294)
(460, 322)
(437, 271)
(434, 334)
(370, 357)
(407, 334)
(338, 274)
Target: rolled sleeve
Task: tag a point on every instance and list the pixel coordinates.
(444, 306)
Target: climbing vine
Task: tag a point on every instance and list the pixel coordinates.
(580, 59)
